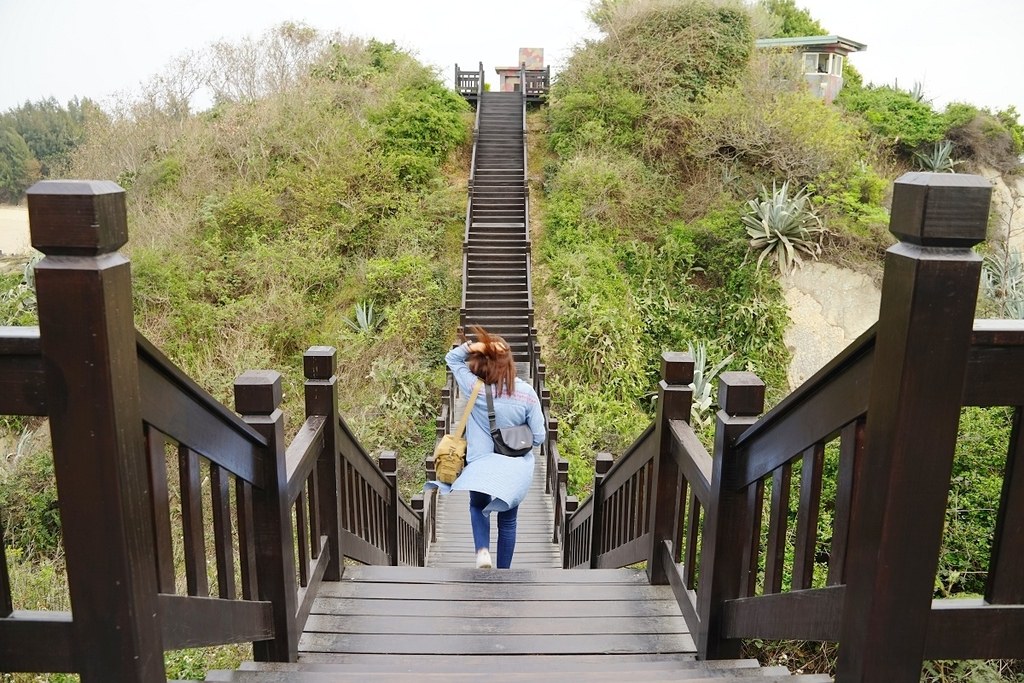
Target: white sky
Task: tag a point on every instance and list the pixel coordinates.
(959, 50)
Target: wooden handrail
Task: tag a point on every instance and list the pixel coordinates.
(115, 404)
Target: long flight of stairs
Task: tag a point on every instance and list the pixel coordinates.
(496, 289)
(534, 622)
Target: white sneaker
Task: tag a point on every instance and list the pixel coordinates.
(483, 559)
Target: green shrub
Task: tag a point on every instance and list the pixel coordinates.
(895, 116)
(423, 120)
(996, 140)
(28, 499)
(774, 127)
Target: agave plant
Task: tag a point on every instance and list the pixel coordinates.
(364, 320)
(783, 227)
(917, 92)
(702, 384)
(938, 160)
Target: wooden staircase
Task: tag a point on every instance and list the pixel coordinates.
(535, 622)
(496, 278)
(387, 623)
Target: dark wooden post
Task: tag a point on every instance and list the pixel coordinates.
(417, 505)
(319, 365)
(550, 441)
(727, 518)
(388, 461)
(674, 400)
(87, 335)
(602, 463)
(258, 400)
(923, 336)
(561, 480)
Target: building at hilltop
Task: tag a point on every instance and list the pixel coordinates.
(822, 59)
(531, 59)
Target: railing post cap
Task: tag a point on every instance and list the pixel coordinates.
(603, 462)
(740, 393)
(258, 392)
(940, 209)
(676, 367)
(319, 362)
(77, 217)
(388, 461)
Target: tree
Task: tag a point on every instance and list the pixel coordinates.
(50, 130)
(18, 168)
(795, 21)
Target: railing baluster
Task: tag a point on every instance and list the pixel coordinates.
(692, 542)
(807, 516)
(157, 461)
(302, 538)
(192, 522)
(778, 521)
(1006, 566)
(6, 606)
(221, 495)
(257, 398)
(313, 509)
(851, 445)
(752, 544)
(246, 539)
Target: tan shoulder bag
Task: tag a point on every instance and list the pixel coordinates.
(450, 452)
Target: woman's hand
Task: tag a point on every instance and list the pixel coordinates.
(480, 347)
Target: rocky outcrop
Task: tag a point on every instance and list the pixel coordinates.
(1007, 207)
(829, 307)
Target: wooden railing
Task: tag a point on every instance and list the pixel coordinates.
(535, 82)
(469, 83)
(886, 410)
(119, 413)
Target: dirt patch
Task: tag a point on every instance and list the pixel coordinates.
(14, 237)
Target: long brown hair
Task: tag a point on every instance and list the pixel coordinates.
(495, 364)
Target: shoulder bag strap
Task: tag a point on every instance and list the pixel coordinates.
(461, 427)
(490, 411)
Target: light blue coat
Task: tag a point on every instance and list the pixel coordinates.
(506, 480)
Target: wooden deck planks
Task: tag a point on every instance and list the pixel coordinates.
(481, 644)
(465, 611)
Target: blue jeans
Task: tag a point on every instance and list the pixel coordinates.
(482, 528)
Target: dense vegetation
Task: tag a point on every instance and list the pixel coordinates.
(665, 139)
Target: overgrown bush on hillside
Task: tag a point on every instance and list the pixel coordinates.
(897, 116)
(660, 57)
(994, 140)
(258, 225)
